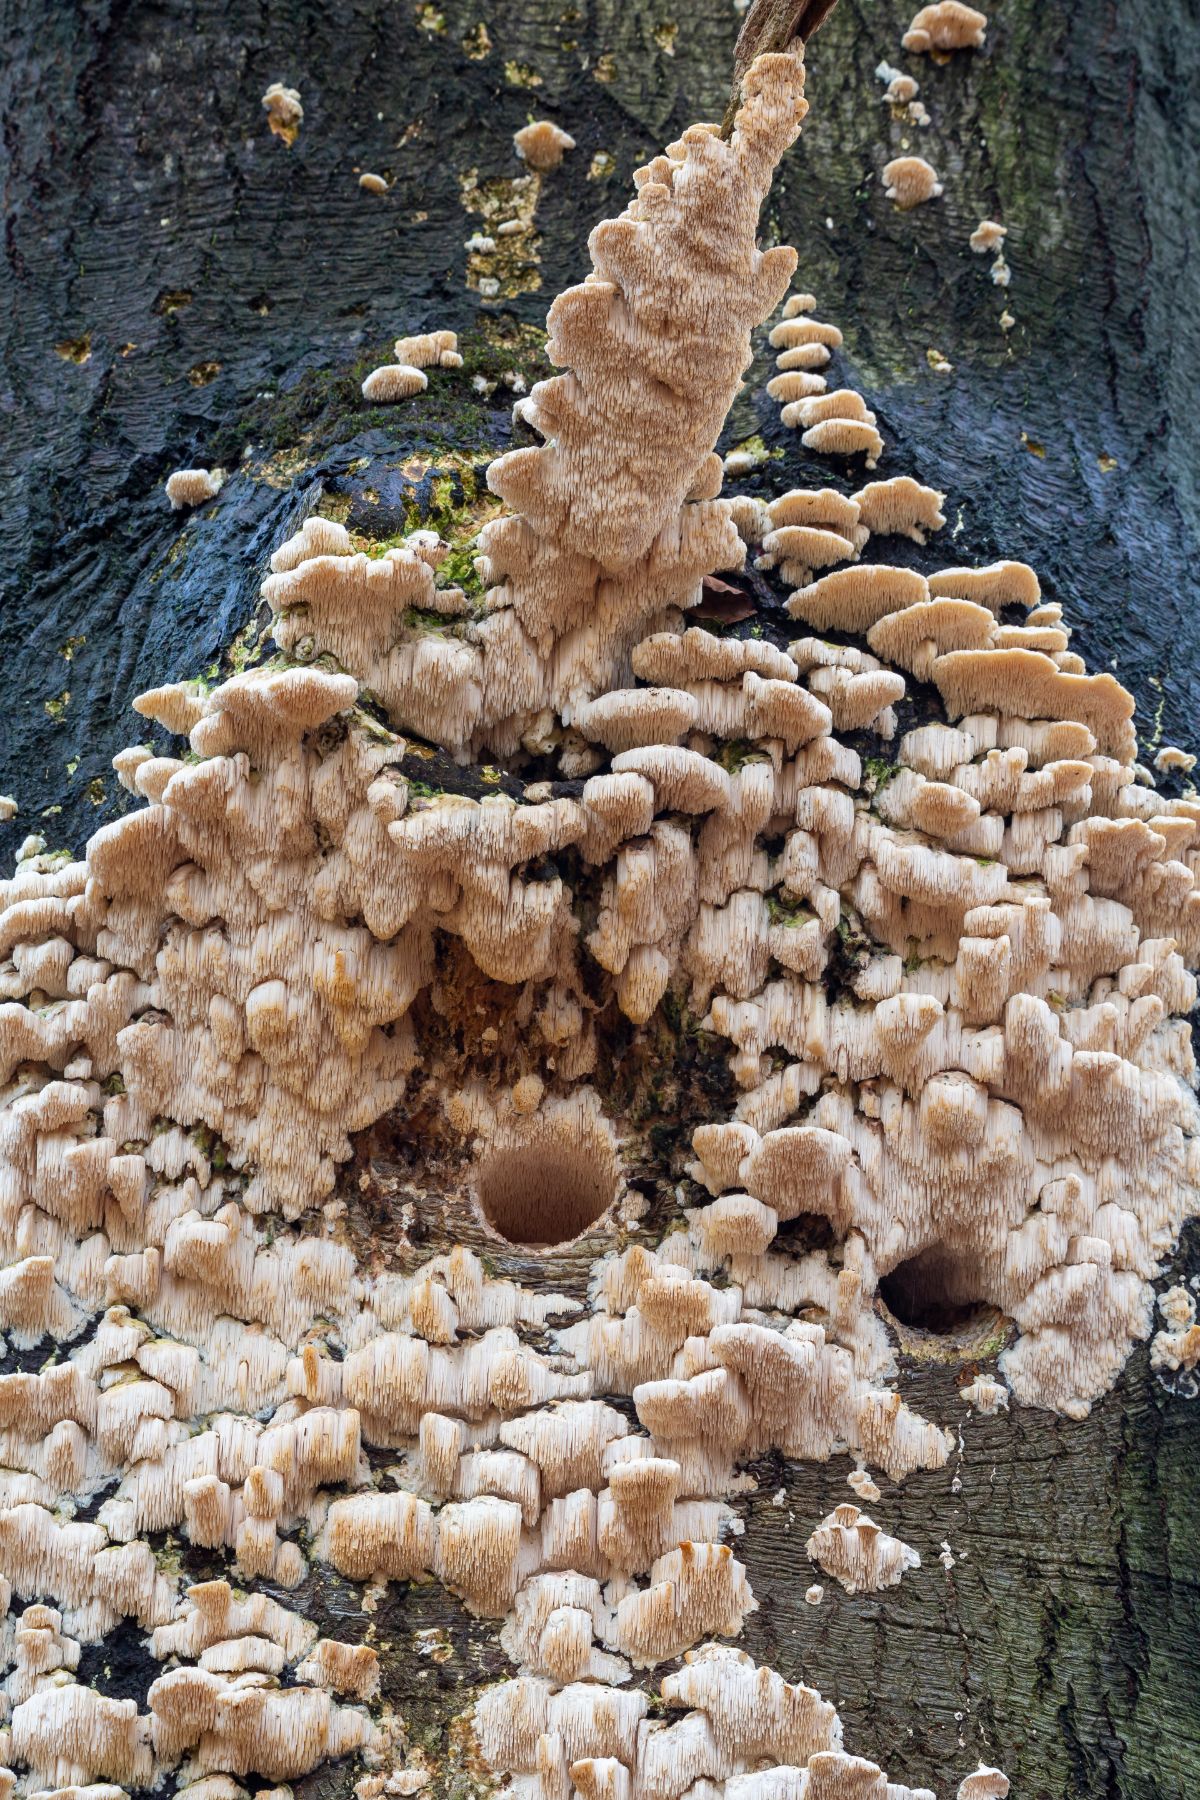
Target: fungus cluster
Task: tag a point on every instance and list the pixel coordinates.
(285, 113)
(837, 423)
(405, 377)
(852, 1548)
(900, 93)
(744, 1734)
(951, 961)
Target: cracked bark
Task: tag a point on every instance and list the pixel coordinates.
(232, 293)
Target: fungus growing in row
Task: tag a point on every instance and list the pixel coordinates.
(834, 424)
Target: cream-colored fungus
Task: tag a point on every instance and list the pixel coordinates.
(996, 1107)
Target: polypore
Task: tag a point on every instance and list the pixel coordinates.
(192, 487)
(542, 144)
(948, 25)
(285, 114)
(983, 1091)
(909, 181)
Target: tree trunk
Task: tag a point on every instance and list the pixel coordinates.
(184, 289)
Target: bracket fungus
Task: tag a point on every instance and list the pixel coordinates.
(987, 237)
(430, 349)
(946, 25)
(284, 111)
(857, 1553)
(985, 1784)
(990, 1103)
(192, 487)
(909, 181)
(394, 381)
(542, 144)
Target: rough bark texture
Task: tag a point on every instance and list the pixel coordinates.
(215, 297)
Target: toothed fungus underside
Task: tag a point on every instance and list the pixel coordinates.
(994, 1105)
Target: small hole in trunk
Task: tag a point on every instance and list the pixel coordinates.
(932, 1292)
(541, 1195)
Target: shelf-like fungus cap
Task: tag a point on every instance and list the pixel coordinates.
(394, 381)
(987, 236)
(428, 349)
(997, 585)
(855, 599)
(900, 507)
(948, 25)
(842, 437)
(1025, 684)
(285, 114)
(542, 144)
(909, 181)
(985, 1784)
(192, 487)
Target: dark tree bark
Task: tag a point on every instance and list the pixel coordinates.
(181, 289)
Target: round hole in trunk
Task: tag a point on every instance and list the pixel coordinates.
(933, 1291)
(543, 1194)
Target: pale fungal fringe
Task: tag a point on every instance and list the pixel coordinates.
(192, 487)
(285, 114)
(909, 181)
(857, 1553)
(542, 144)
(997, 1110)
(947, 25)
